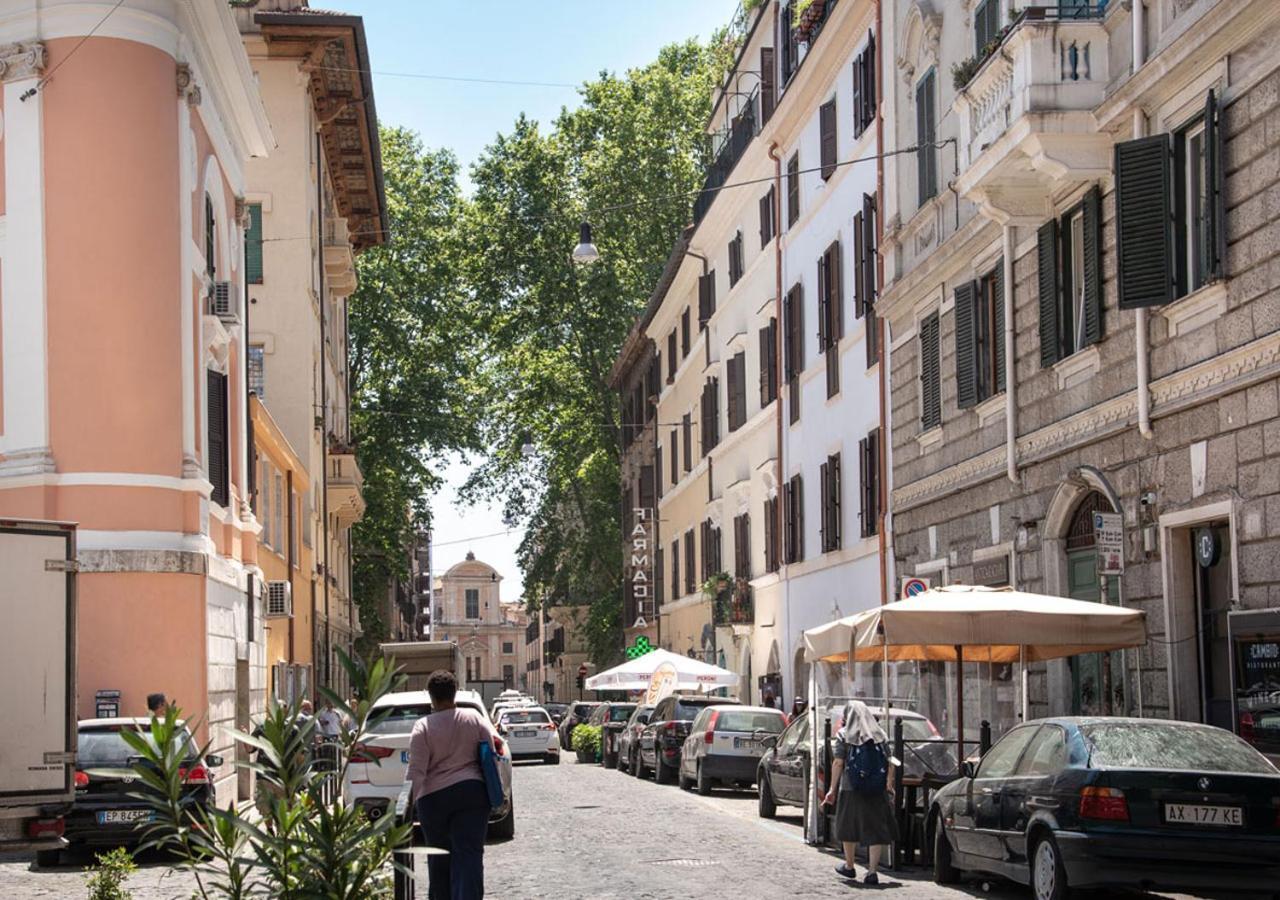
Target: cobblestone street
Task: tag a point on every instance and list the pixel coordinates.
(586, 832)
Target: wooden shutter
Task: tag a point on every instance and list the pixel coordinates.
(675, 456)
(824, 492)
(833, 485)
(690, 562)
(766, 353)
(1092, 266)
(684, 333)
(922, 137)
(930, 374)
(859, 69)
(835, 301)
(675, 568)
(740, 391)
(672, 360)
(799, 505)
(687, 426)
(216, 408)
(793, 189)
(706, 298)
(997, 320)
(1144, 223)
(869, 100)
(864, 477)
(869, 250)
(966, 296)
(210, 249)
(823, 300)
(859, 265)
(1047, 281)
(1215, 243)
(827, 139)
(766, 218)
(768, 95)
(253, 245)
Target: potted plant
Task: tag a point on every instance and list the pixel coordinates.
(806, 14)
(586, 743)
(715, 585)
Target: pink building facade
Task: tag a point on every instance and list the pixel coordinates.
(122, 346)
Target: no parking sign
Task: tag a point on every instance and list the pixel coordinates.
(913, 586)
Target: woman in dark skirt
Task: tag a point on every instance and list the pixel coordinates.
(861, 817)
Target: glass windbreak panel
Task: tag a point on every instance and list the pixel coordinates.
(104, 746)
(525, 717)
(1148, 745)
(916, 729)
(400, 718)
(1257, 683)
(741, 720)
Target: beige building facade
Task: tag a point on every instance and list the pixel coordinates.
(490, 633)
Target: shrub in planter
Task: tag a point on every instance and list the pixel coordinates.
(586, 742)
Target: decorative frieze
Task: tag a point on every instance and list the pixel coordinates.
(187, 86)
(24, 59)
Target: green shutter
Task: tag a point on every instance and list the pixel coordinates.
(1215, 243)
(1092, 266)
(1047, 278)
(1144, 224)
(930, 375)
(997, 338)
(966, 351)
(253, 245)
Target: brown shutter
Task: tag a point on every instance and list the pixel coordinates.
(218, 450)
(833, 466)
(864, 511)
(869, 100)
(824, 520)
(867, 273)
(793, 189)
(836, 292)
(823, 300)
(859, 266)
(827, 139)
(768, 97)
(858, 72)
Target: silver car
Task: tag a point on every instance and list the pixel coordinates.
(725, 744)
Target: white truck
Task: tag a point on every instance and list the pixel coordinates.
(418, 659)
(38, 668)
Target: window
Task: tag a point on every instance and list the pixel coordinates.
(980, 338)
(926, 135)
(1069, 256)
(864, 87)
(706, 298)
(772, 558)
(768, 91)
(830, 314)
(767, 229)
(930, 375)
(210, 251)
(264, 503)
(278, 512)
(710, 415)
(829, 473)
(986, 25)
(768, 363)
(684, 334)
(742, 546)
(793, 189)
(689, 562)
(256, 373)
(644, 489)
(675, 456)
(672, 362)
(735, 259)
(793, 346)
(788, 42)
(793, 497)
(711, 560)
(253, 245)
(1046, 755)
(1001, 759)
(472, 596)
(737, 393)
(1170, 219)
(216, 446)
(508, 647)
(686, 426)
(827, 139)
(869, 479)
(675, 570)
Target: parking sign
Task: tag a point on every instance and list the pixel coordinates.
(1108, 531)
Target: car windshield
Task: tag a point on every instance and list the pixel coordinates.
(1152, 745)
(746, 721)
(103, 746)
(399, 718)
(621, 712)
(687, 712)
(522, 717)
(582, 710)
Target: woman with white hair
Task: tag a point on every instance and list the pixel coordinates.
(862, 788)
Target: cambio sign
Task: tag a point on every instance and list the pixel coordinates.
(642, 559)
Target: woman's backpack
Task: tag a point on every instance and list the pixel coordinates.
(867, 769)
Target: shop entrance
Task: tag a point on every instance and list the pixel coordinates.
(1091, 674)
(1211, 562)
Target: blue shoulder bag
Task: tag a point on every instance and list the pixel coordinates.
(489, 769)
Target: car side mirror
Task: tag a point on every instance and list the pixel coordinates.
(212, 760)
(769, 741)
(968, 769)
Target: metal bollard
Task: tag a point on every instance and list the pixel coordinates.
(984, 738)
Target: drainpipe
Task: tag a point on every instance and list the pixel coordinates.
(324, 417)
(777, 367)
(1142, 337)
(882, 460)
(1010, 358)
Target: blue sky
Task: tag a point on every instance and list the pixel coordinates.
(565, 41)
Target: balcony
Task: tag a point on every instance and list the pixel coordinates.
(346, 500)
(735, 605)
(727, 147)
(1026, 115)
(339, 259)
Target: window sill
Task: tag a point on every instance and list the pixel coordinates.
(1077, 368)
(990, 409)
(1198, 308)
(927, 440)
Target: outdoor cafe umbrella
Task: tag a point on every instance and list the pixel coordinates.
(635, 674)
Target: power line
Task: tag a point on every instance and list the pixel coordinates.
(462, 78)
(41, 83)
(478, 537)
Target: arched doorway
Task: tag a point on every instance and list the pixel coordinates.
(1092, 681)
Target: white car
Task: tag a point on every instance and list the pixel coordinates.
(500, 705)
(379, 764)
(529, 732)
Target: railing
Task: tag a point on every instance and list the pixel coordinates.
(327, 756)
(736, 605)
(727, 147)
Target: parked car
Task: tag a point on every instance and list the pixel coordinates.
(627, 738)
(577, 714)
(378, 765)
(725, 744)
(104, 813)
(663, 736)
(1117, 802)
(509, 703)
(530, 733)
(610, 718)
(556, 711)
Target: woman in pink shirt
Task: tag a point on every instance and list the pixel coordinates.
(449, 790)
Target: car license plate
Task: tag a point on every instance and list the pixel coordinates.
(1195, 814)
(745, 744)
(404, 756)
(124, 816)
(526, 734)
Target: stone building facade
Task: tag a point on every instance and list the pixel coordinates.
(1084, 319)
(469, 613)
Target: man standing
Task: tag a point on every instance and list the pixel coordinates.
(329, 721)
(449, 790)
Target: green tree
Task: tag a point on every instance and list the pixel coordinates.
(628, 159)
(411, 366)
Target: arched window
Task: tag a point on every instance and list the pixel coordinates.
(1080, 535)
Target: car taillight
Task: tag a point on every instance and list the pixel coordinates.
(669, 728)
(548, 728)
(194, 775)
(710, 736)
(1246, 726)
(1104, 803)
(82, 779)
(499, 745)
(367, 753)
(46, 828)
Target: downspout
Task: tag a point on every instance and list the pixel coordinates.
(324, 417)
(1010, 360)
(882, 457)
(777, 367)
(1140, 330)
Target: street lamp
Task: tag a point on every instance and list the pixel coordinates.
(586, 251)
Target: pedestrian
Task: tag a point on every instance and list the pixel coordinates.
(329, 721)
(306, 712)
(157, 705)
(767, 700)
(449, 790)
(798, 708)
(862, 789)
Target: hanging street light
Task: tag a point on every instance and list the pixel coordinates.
(586, 251)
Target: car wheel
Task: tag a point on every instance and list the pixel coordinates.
(662, 773)
(639, 769)
(1048, 875)
(685, 783)
(704, 783)
(505, 828)
(47, 859)
(609, 761)
(943, 871)
(767, 807)
(551, 759)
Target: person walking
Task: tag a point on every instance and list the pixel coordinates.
(862, 790)
(449, 790)
(329, 721)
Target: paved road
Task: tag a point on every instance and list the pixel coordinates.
(584, 832)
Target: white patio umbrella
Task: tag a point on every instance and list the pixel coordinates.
(635, 674)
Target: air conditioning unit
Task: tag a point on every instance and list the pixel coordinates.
(222, 303)
(279, 600)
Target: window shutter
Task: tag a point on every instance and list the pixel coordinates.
(869, 82)
(835, 302)
(824, 521)
(674, 449)
(827, 139)
(765, 210)
(216, 408)
(930, 374)
(823, 302)
(1144, 226)
(859, 67)
(859, 265)
(926, 154)
(741, 391)
(867, 271)
(966, 350)
(1093, 266)
(864, 475)
(1047, 280)
(706, 298)
(833, 466)
(793, 189)
(1215, 243)
(768, 97)
(253, 245)
(765, 352)
(799, 500)
(687, 426)
(997, 318)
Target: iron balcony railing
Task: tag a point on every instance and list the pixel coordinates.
(727, 147)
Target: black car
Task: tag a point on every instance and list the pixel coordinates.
(577, 714)
(1113, 802)
(104, 814)
(611, 719)
(628, 738)
(556, 711)
(663, 736)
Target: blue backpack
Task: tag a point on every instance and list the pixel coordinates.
(867, 769)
